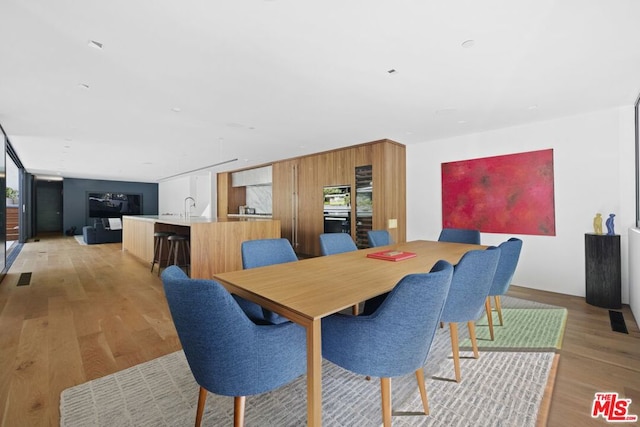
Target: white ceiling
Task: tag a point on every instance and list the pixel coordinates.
(262, 80)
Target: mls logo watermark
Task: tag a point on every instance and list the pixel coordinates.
(612, 408)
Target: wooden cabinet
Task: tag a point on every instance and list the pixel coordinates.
(389, 188)
(230, 198)
(298, 183)
(285, 193)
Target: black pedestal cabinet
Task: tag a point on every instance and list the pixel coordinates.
(602, 267)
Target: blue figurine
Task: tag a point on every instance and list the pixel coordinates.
(610, 231)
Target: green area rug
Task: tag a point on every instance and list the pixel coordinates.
(533, 328)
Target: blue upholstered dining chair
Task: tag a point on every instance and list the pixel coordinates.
(336, 243)
(228, 354)
(509, 256)
(379, 238)
(459, 235)
(260, 253)
(396, 338)
(472, 278)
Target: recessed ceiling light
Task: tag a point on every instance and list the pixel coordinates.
(176, 109)
(468, 44)
(461, 122)
(83, 86)
(94, 44)
(533, 107)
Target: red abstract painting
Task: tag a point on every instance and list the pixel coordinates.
(501, 194)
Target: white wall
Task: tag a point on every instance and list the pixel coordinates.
(593, 170)
(172, 194)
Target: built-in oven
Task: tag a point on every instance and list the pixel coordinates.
(337, 221)
(337, 209)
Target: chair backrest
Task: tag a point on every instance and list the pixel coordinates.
(509, 256)
(395, 339)
(379, 238)
(472, 279)
(459, 235)
(336, 243)
(221, 344)
(261, 252)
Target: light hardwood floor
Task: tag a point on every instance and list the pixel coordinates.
(94, 310)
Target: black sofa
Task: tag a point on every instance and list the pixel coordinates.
(101, 233)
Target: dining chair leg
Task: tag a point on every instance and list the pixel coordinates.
(238, 411)
(453, 331)
(385, 391)
(423, 390)
(355, 310)
(487, 307)
(202, 398)
(499, 308)
(474, 342)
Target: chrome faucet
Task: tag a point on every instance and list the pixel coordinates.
(187, 208)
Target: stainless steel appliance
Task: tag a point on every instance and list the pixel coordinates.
(337, 209)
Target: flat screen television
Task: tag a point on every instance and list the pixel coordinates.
(114, 205)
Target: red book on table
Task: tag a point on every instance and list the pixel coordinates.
(391, 255)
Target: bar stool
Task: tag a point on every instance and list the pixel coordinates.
(179, 245)
(159, 240)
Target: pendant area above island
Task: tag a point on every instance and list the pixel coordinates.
(214, 242)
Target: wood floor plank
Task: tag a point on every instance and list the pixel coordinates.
(97, 359)
(93, 310)
(65, 361)
(28, 396)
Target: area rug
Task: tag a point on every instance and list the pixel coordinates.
(528, 326)
(500, 388)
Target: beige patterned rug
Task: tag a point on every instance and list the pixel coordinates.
(500, 388)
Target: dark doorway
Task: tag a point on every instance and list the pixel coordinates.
(48, 206)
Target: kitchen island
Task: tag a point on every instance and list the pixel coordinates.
(215, 242)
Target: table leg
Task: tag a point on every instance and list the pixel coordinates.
(314, 374)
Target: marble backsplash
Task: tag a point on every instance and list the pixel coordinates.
(259, 197)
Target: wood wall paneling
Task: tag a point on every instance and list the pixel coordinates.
(301, 212)
(229, 198)
(310, 202)
(223, 184)
(285, 179)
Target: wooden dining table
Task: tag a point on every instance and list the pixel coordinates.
(310, 289)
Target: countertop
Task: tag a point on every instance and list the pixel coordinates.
(178, 220)
(265, 216)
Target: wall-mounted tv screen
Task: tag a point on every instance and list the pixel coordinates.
(114, 205)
